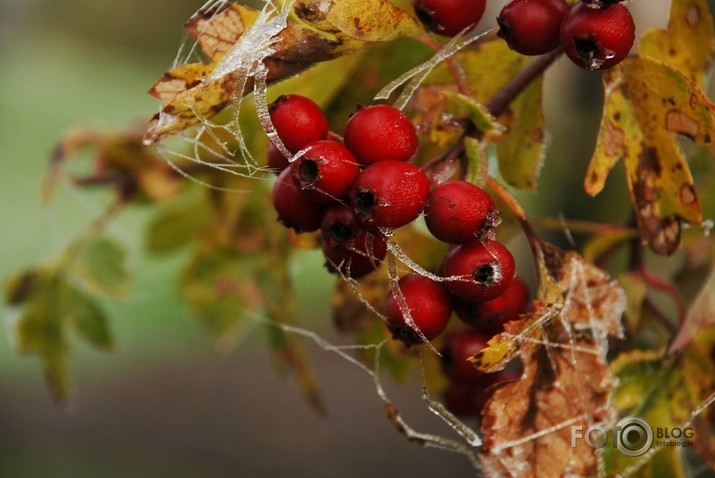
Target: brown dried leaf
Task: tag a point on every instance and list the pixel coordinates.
(527, 423)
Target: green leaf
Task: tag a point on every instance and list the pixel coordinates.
(38, 327)
(98, 266)
(477, 112)
(478, 169)
(89, 319)
(179, 222)
(217, 284)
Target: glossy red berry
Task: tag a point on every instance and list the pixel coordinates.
(459, 346)
(429, 304)
(597, 38)
(340, 226)
(491, 315)
(277, 162)
(484, 269)
(389, 193)
(458, 212)
(449, 17)
(531, 27)
(357, 257)
(298, 121)
(326, 170)
(380, 132)
(600, 3)
(294, 208)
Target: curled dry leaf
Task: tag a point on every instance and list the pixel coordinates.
(566, 381)
(240, 43)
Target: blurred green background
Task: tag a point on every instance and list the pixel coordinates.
(166, 404)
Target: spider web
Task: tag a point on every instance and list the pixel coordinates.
(219, 144)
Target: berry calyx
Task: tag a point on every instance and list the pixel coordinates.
(358, 257)
(340, 226)
(295, 210)
(298, 121)
(594, 38)
(429, 304)
(459, 346)
(449, 17)
(380, 132)
(326, 170)
(531, 27)
(482, 271)
(389, 193)
(459, 212)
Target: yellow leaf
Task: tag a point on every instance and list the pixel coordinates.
(647, 103)
(283, 44)
(688, 44)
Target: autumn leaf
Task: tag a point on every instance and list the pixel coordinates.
(566, 381)
(520, 140)
(668, 394)
(527, 423)
(119, 159)
(687, 44)
(274, 45)
(647, 104)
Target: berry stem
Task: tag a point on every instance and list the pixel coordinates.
(455, 67)
(498, 103)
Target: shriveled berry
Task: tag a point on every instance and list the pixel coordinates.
(449, 17)
(298, 121)
(459, 212)
(294, 208)
(357, 258)
(326, 170)
(389, 193)
(380, 132)
(531, 27)
(597, 38)
(429, 304)
(484, 270)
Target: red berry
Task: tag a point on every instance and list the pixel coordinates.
(298, 121)
(458, 212)
(379, 132)
(449, 17)
(358, 257)
(276, 161)
(600, 3)
(430, 306)
(326, 170)
(485, 316)
(490, 316)
(340, 226)
(294, 208)
(597, 38)
(531, 27)
(459, 346)
(389, 193)
(485, 270)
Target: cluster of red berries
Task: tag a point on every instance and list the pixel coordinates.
(594, 34)
(357, 189)
(347, 189)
